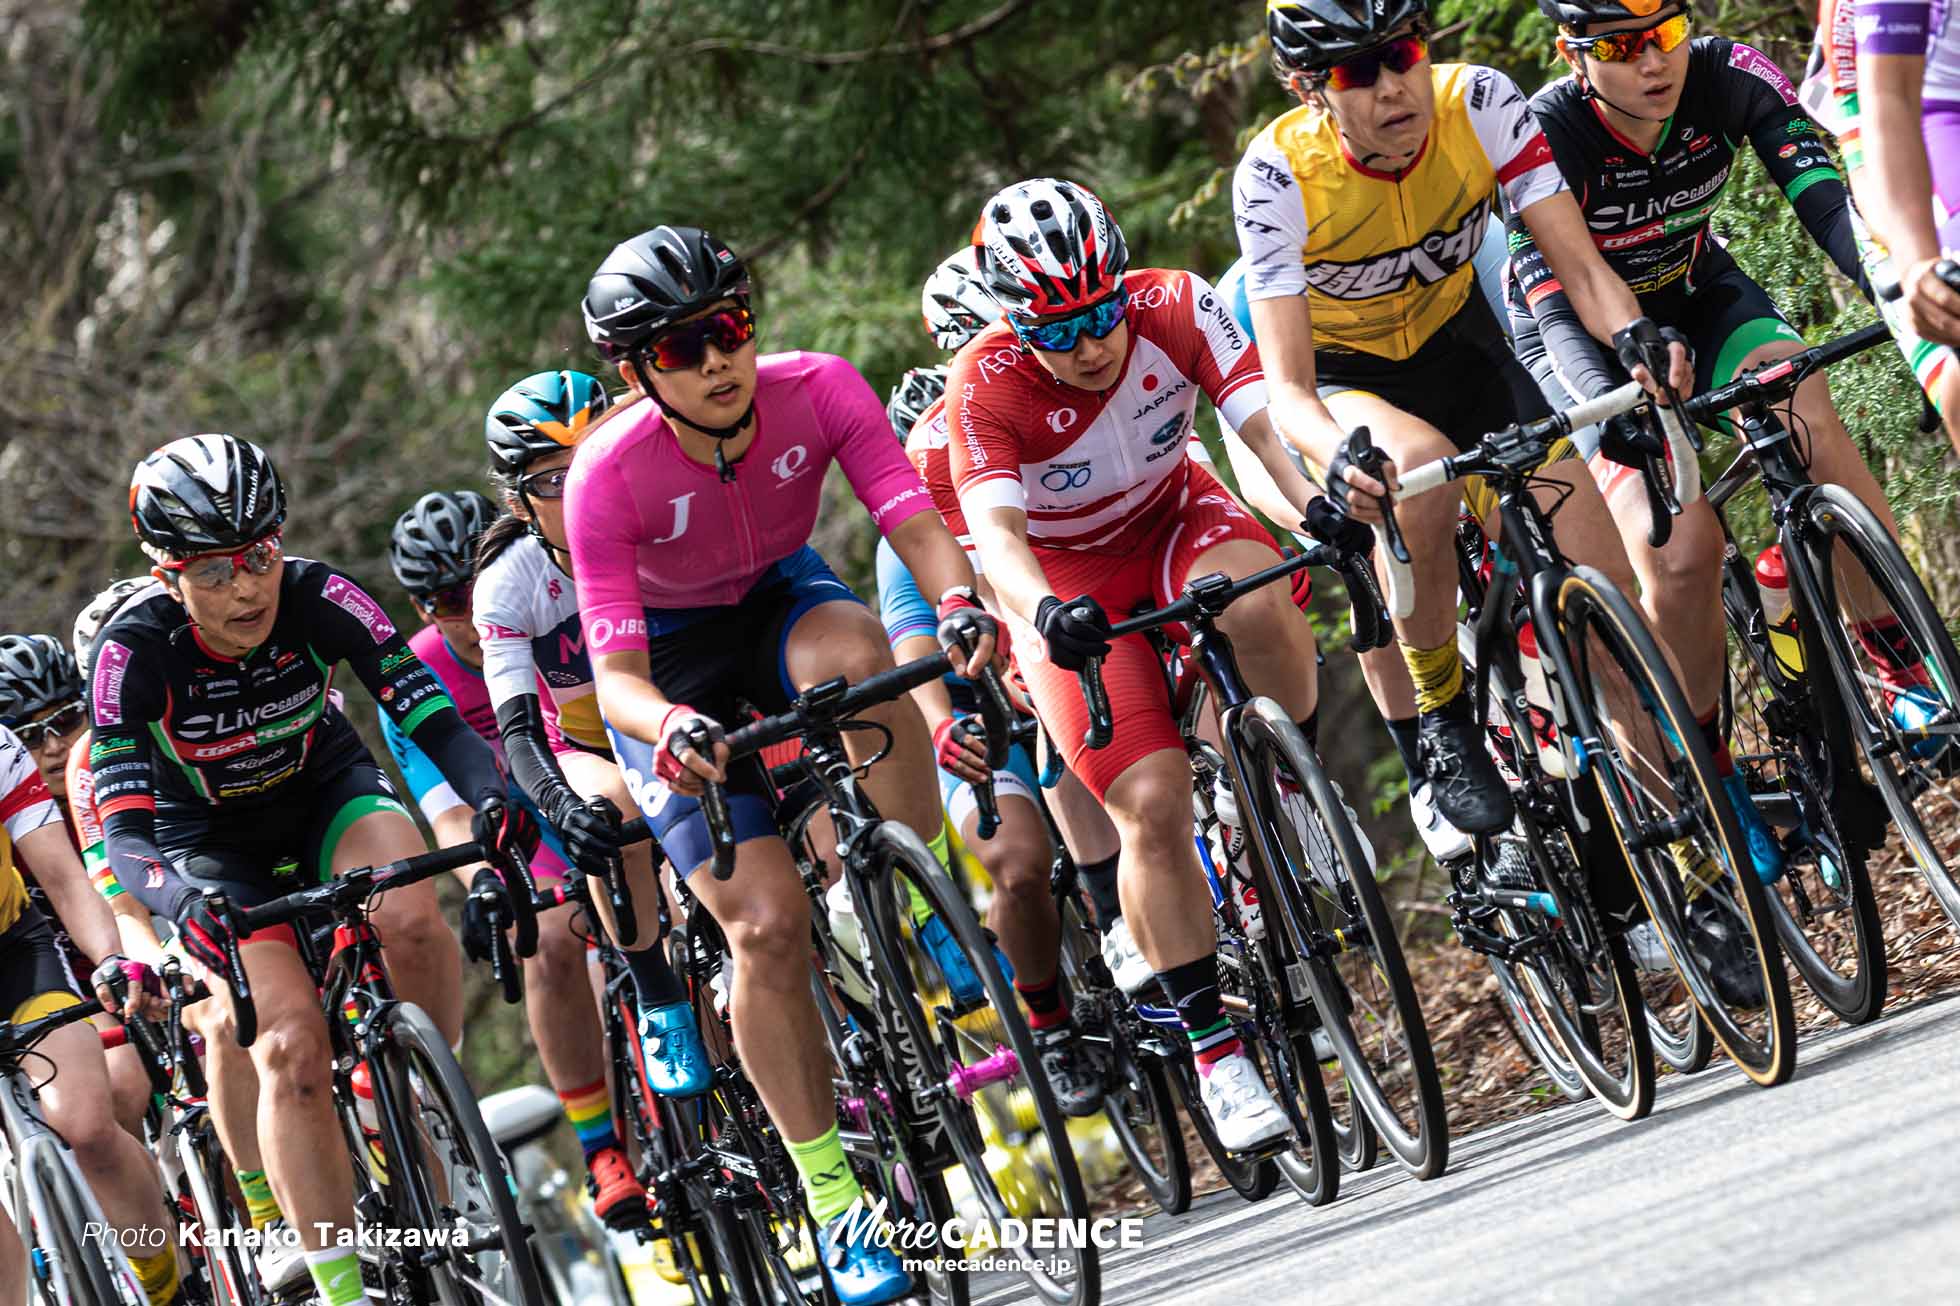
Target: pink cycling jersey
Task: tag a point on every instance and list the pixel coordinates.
(651, 528)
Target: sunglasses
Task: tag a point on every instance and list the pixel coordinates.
(1059, 335)
(215, 571)
(36, 734)
(1625, 47)
(683, 347)
(545, 485)
(452, 602)
(1365, 69)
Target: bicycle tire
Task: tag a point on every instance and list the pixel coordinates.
(101, 1274)
(1686, 1050)
(1137, 1098)
(1255, 1181)
(231, 1276)
(1533, 1035)
(1586, 600)
(725, 1268)
(442, 1117)
(1834, 514)
(1826, 912)
(1420, 1142)
(902, 851)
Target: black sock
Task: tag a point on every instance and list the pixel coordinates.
(1099, 878)
(1457, 709)
(1192, 990)
(1046, 1008)
(1403, 731)
(654, 975)
(1311, 729)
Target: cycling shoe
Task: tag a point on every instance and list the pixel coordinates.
(677, 1064)
(1764, 851)
(1462, 781)
(861, 1272)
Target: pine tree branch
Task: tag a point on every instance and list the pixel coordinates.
(959, 36)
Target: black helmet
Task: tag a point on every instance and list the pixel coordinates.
(36, 672)
(204, 494)
(433, 547)
(1576, 14)
(1309, 35)
(544, 413)
(653, 281)
(914, 393)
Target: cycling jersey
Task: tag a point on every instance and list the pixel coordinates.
(526, 613)
(1384, 259)
(85, 820)
(181, 730)
(651, 528)
(1649, 213)
(929, 446)
(1099, 470)
(25, 806)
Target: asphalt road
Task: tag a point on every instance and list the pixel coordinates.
(1842, 1185)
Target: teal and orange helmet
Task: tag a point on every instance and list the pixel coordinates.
(543, 413)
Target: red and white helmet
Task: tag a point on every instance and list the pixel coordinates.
(955, 301)
(1047, 247)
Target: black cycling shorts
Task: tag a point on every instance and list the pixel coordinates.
(32, 968)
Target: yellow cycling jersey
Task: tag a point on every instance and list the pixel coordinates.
(1384, 259)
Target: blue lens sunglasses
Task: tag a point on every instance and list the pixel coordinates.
(1059, 335)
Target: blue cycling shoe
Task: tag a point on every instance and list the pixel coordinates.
(1764, 851)
(1914, 708)
(677, 1064)
(861, 1272)
(962, 981)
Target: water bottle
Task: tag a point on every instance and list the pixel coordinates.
(1228, 842)
(363, 1085)
(1538, 692)
(850, 937)
(1773, 583)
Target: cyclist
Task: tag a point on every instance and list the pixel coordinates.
(1018, 855)
(957, 308)
(434, 551)
(35, 982)
(1068, 423)
(688, 514)
(1359, 214)
(1647, 125)
(220, 762)
(1887, 83)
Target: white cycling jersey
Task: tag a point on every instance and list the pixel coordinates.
(527, 615)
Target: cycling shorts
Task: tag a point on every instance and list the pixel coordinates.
(34, 978)
(265, 851)
(1122, 583)
(1016, 778)
(1464, 381)
(1727, 318)
(723, 662)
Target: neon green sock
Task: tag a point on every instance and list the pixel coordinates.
(260, 1204)
(826, 1173)
(337, 1274)
(921, 909)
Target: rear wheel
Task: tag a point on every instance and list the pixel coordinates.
(1254, 1180)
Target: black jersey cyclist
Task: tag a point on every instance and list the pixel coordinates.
(1646, 130)
(220, 759)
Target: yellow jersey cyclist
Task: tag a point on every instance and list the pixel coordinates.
(35, 982)
(220, 760)
(1359, 214)
(1645, 129)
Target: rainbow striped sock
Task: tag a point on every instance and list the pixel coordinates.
(590, 1111)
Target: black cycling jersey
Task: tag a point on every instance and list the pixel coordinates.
(1649, 213)
(184, 729)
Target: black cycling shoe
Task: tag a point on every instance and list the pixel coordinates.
(1726, 953)
(1073, 1075)
(1464, 783)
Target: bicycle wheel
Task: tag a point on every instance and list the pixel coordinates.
(452, 1175)
(1680, 1038)
(1826, 914)
(1021, 1107)
(94, 1271)
(1895, 665)
(231, 1277)
(1136, 1098)
(1250, 1179)
(1653, 770)
(1333, 911)
(779, 1239)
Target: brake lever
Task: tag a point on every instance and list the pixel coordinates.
(245, 1012)
(1096, 698)
(714, 801)
(503, 966)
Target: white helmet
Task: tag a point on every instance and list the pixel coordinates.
(957, 305)
(99, 612)
(1048, 247)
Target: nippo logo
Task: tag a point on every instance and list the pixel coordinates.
(344, 593)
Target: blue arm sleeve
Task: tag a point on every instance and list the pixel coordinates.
(901, 607)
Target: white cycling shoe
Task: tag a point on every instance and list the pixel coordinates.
(1648, 952)
(282, 1261)
(1444, 841)
(1126, 965)
(1243, 1114)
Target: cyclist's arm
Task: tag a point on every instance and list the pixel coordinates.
(451, 827)
(136, 930)
(510, 677)
(1290, 490)
(911, 626)
(1894, 185)
(79, 907)
(1293, 404)
(1795, 157)
(448, 815)
(1599, 298)
(122, 705)
(931, 554)
(1001, 534)
(1584, 366)
(1256, 486)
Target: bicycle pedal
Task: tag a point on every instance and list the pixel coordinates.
(1265, 1151)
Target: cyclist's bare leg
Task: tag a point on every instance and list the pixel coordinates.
(1165, 897)
(13, 1261)
(845, 639)
(1387, 676)
(233, 1093)
(1271, 637)
(1022, 914)
(596, 777)
(129, 1088)
(75, 1100)
(765, 914)
(1084, 823)
(423, 957)
(297, 1128)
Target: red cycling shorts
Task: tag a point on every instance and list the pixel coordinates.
(1148, 577)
